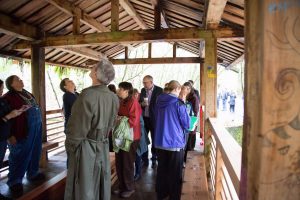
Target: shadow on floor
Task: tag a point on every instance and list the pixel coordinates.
(144, 187)
(56, 165)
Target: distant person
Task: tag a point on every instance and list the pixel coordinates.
(93, 116)
(6, 116)
(69, 97)
(224, 99)
(148, 97)
(218, 100)
(130, 108)
(25, 141)
(172, 119)
(195, 90)
(231, 102)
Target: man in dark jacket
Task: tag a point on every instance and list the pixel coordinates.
(69, 97)
(148, 97)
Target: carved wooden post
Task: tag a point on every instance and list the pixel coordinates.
(38, 81)
(271, 142)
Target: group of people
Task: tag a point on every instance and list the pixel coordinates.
(227, 97)
(21, 131)
(92, 119)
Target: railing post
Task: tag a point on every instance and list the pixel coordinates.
(218, 173)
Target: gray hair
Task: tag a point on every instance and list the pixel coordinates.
(105, 71)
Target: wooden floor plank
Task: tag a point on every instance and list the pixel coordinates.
(194, 181)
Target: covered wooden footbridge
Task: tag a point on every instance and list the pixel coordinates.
(77, 33)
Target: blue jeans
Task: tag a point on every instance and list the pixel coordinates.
(3, 147)
(138, 164)
(24, 156)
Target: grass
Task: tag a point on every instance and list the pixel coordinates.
(237, 133)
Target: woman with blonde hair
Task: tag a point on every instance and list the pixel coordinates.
(171, 121)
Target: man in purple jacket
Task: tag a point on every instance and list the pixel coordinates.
(171, 121)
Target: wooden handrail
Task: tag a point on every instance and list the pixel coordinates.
(230, 155)
(53, 111)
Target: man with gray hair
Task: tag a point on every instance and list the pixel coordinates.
(92, 117)
(148, 102)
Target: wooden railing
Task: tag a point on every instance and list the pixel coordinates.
(55, 130)
(224, 162)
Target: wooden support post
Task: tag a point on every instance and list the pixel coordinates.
(126, 52)
(210, 77)
(218, 173)
(114, 15)
(149, 50)
(157, 16)
(210, 93)
(202, 97)
(174, 49)
(271, 147)
(38, 81)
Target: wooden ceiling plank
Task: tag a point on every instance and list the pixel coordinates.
(128, 7)
(85, 18)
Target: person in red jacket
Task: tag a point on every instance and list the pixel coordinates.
(129, 107)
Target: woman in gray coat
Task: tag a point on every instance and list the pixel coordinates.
(92, 117)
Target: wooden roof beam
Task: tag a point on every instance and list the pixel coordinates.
(25, 31)
(157, 60)
(163, 18)
(128, 7)
(214, 10)
(139, 36)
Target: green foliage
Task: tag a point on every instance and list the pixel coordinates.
(60, 71)
(237, 133)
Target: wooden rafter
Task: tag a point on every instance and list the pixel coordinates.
(139, 36)
(128, 7)
(25, 31)
(213, 13)
(14, 27)
(236, 61)
(85, 18)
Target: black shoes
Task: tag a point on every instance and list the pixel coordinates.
(38, 177)
(137, 177)
(17, 188)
